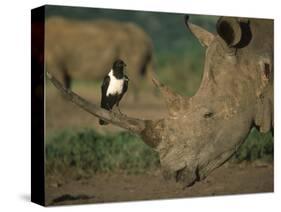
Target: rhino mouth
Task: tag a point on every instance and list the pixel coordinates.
(186, 176)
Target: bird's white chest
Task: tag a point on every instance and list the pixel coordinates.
(115, 85)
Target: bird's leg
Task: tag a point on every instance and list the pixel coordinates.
(117, 105)
(119, 109)
(109, 108)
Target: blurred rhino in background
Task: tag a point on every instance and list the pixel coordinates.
(84, 50)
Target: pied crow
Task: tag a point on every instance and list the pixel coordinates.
(114, 86)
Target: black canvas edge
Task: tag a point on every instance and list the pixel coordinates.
(37, 106)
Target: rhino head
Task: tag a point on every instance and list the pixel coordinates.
(235, 95)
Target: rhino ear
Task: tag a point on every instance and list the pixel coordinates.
(204, 37)
(229, 30)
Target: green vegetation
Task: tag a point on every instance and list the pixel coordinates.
(256, 147)
(87, 152)
(182, 72)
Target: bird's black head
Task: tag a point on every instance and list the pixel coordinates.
(118, 64)
(118, 67)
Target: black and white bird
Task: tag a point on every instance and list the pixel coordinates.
(114, 86)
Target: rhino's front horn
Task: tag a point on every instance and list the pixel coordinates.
(229, 30)
(204, 37)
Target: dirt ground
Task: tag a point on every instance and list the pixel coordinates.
(116, 187)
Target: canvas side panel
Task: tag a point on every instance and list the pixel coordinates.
(37, 106)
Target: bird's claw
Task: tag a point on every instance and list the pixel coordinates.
(119, 110)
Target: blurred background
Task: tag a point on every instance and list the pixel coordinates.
(177, 55)
(81, 45)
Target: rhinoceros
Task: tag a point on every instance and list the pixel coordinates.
(202, 132)
(86, 50)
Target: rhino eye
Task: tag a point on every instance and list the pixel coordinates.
(208, 115)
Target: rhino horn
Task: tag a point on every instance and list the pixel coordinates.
(229, 30)
(204, 37)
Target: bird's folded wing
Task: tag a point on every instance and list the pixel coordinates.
(105, 85)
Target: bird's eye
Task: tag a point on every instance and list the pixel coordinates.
(208, 115)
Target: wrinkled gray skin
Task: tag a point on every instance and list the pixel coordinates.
(236, 94)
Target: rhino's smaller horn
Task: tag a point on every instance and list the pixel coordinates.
(204, 37)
